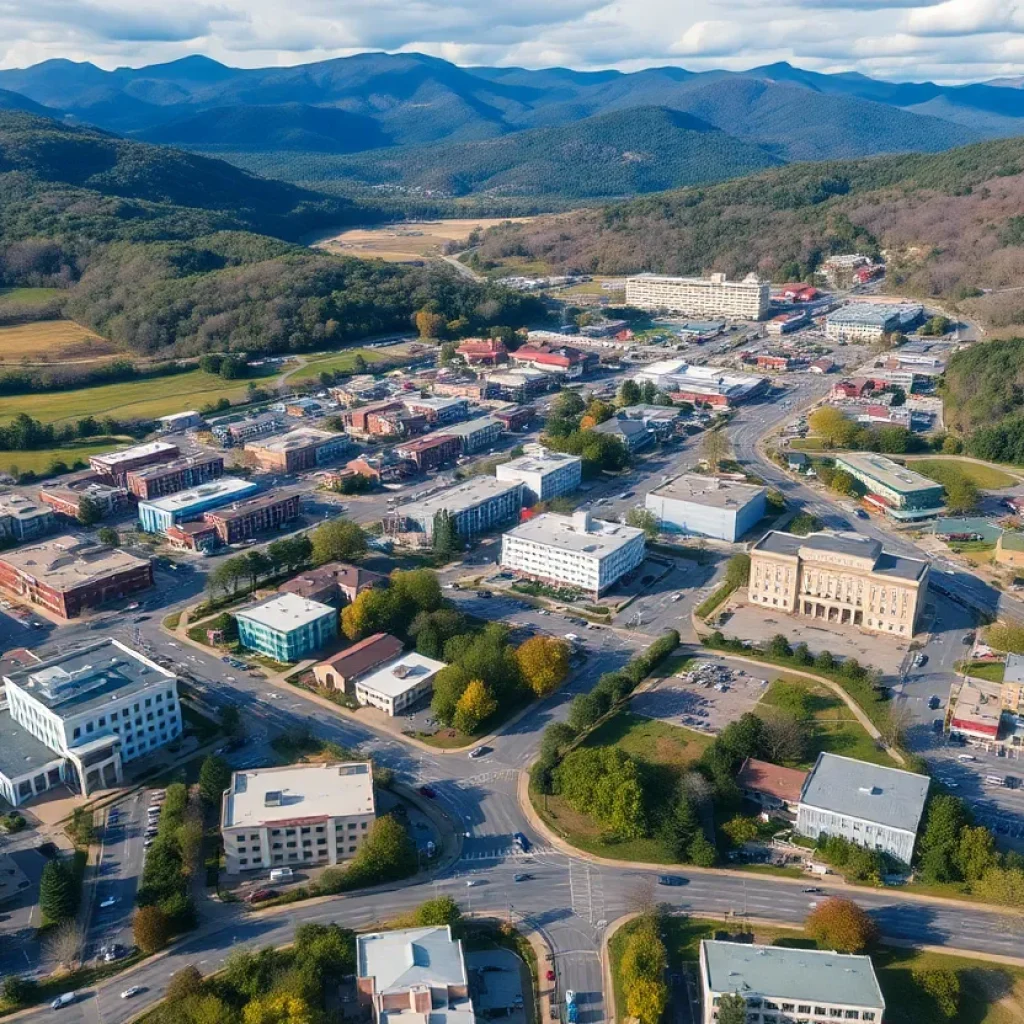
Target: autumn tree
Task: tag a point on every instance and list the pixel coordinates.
(429, 324)
(186, 982)
(832, 426)
(543, 662)
(843, 483)
(476, 705)
(714, 448)
(151, 929)
(840, 924)
(277, 1008)
(337, 540)
(372, 611)
(643, 965)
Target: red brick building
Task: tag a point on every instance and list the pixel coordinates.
(358, 420)
(768, 362)
(193, 536)
(483, 351)
(115, 466)
(245, 519)
(430, 452)
(701, 398)
(561, 359)
(171, 477)
(516, 418)
(329, 583)
(66, 497)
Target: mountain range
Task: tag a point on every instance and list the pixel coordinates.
(292, 122)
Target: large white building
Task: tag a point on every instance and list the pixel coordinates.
(475, 505)
(795, 986)
(398, 684)
(716, 295)
(80, 716)
(296, 816)
(545, 476)
(868, 321)
(875, 807)
(575, 551)
(707, 506)
(710, 384)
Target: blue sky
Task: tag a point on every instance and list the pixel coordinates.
(907, 40)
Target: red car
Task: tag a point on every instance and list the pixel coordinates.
(427, 791)
(262, 894)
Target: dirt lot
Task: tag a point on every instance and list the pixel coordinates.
(52, 340)
(410, 240)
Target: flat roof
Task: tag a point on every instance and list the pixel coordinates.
(90, 676)
(301, 437)
(471, 426)
(463, 496)
(546, 463)
(434, 403)
(400, 960)
(520, 375)
(20, 507)
(708, 490)
(20, 752)
(891, 474)
(803, 975)
(66, 562)
(874, 314)
(778, 543)
(750, 281)
(177, 415)
(285, 612)
(244, 508)
(227, 487)
(885, 796)
(264, 796)
(398, 676)
(599, 538)
(166, 468)
(138, 452)
(1014, 672)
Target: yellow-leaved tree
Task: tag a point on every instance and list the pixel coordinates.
(476, 705)
(543, 662)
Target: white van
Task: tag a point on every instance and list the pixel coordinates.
(995, 780)
(966, 757)
(281, 874)
(65, 1000)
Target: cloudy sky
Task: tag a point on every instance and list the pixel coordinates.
(907, 40)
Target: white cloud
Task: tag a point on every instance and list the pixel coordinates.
(964, 17)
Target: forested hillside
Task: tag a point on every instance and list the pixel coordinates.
(647, 149)
(950, 221)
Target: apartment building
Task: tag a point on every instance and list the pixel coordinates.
(789, 986)
(171, 477)
(544, 476)
(431, 451)
(520, 385)
(94, 709)
(287, 627)
(477, 434)
(299, 815)
(438, 411)
(716, 295)
(160, 514)
(707, 506)
(575, 551)
(115, 466)
(298, 450)
(23, 519)
(476, 505)
(246, 519)
(239, 431)
(875, 807)
(843, 579)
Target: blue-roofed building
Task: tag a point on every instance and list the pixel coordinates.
(159, 515)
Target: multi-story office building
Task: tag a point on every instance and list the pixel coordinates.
(574, 551)
(474, 506)
(398, 684)
(160, 514)
(23, 519)
(67, 574)
(475, 435)
(520, 385)
(847, 580)
(789, 986)
(438, 411)
(239, 431)
(246, 519)
(431, 451)
(516, 417)
(287, 627)
(94, 709)
(545, 476)
(115, 466)
(875, 807)
(304, 448)
(900, 492)
(869, 321)
(300, 815)
(707, 506)
(171, 477)
(716, 295)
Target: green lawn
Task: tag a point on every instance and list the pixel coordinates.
(833, 727)
(807, 444)
(156, 396)
(988, 478)
(40, 461)
(343, 362)
(990, 670)
(27, 296)
(990, 994)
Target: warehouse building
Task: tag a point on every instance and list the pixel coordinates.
(475, 435)
(81, 716)
(67, 574)
(171, 477)
(710, 385)
(246, 519)
(778, 983)
(474, 506)
(180, 421)
(287, 627)
(575, 551)
(23, 519)
(298, 450)
(875, 807)
(299, 815)
(159, 515)
(712, 296)
(707, 506)
(899, 492)
(115, 466)
(869, 321)
(545, 476)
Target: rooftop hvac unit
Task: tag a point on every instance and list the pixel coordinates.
(272, 798)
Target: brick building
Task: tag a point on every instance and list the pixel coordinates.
(562, 360)
(256, 515)
(171, 477)
(517, 418)
(66, 497)
(483, 351)
(298, 450)
(329, 583)
(430, 452)
(115, 466)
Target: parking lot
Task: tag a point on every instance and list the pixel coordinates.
(707, 696)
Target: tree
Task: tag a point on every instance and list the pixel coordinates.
(277, 1008)
(448, 353)
(840, 924)
(58, 892)
(732, 1009)
(832, 426)
(779, 647)
(420, 589)
(386, 854)
(824, 662)
(896, 721)
(446, 537)
(373, 611)
(737, 570)
(784, 737)
(702, 852)
(440, 911)
(843, 482)
(151, 929)
(714, 448)
(644, 519)
(186, 982)
(643, 965)
(337, 540)
(604, 782)
(90, 511)
(109, 536)
(629, 393)
(476, 705)
(941, 989)
(543, 663)
(231, 721)
(214, 778)
(64, 945)
(429, 324)
(449, 685)
(975, 852)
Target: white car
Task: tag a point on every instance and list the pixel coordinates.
(129, 992)
(109, 902)
(473, 882)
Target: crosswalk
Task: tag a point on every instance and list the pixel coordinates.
(586, 891)
(507, 852)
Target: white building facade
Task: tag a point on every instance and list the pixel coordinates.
(545, 476)
(716, 295)
(707, 506)
(399, 684)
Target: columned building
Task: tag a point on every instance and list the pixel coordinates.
(843, 579)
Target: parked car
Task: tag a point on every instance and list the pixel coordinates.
(671, 880)
(427, 791)
(65, 1000)
(134, 990)
(522, 877)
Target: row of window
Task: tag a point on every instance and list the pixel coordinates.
(803, 1010)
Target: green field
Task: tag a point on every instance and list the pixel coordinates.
(343, 362)
(142, 399)
(27, 296)
(832, 727)
(993, 671)
(807, 444)
(990, 993)
(40, 461)
(988, 478)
